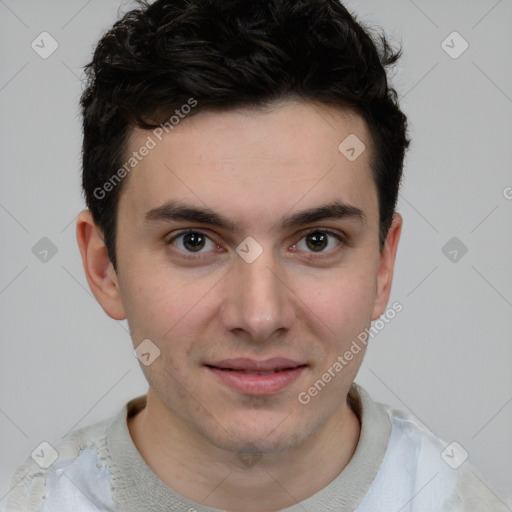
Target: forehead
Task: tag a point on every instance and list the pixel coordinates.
(247, 161)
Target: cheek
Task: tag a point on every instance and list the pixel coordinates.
(162, 304)
(162, 311)
(343, 300)
(152, 305)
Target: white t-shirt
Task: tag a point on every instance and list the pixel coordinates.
(398, 466)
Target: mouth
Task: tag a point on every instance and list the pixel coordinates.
(252, 377)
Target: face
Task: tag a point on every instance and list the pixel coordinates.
(248, 253)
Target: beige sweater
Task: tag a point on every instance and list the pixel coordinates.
(398, 466)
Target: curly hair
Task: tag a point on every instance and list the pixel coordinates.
(227, 54)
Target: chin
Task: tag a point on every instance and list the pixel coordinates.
(256, 444)
(260, 433)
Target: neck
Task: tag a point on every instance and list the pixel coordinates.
(216, 478)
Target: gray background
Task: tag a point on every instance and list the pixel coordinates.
(446, 357)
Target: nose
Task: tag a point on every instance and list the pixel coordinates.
(258, 300)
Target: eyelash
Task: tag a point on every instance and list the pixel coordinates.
(341, 238)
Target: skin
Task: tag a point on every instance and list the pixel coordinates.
(254, 168)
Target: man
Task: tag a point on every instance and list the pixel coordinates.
(241, 165)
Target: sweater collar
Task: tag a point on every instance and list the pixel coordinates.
(136, 487)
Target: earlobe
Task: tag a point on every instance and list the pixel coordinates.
(99, 271)
(386, 266)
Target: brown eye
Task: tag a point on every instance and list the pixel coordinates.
(192, 242)
(317, 241)
(320, 241)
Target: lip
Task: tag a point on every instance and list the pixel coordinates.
(251, 365)
(235, 374)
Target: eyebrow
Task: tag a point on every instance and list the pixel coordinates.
(179, 212)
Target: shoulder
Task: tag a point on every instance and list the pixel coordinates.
(440, 470)
(476, 494)
(55, 477)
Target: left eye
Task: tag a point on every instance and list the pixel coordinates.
(318, 241)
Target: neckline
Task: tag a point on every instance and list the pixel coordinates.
(136, 487)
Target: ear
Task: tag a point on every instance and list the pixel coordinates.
(386, 266)
(99, 271)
